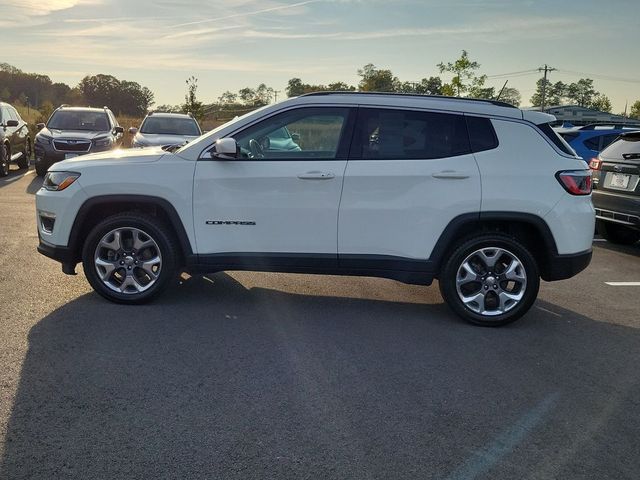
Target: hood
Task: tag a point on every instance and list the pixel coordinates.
(148, 139)
(115, 157)
(75, 134)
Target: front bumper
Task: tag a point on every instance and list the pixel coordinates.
(64, 255)
(561, 267)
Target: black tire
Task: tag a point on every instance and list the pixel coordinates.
(618, 234)
(4, 161)
(41, 167)
(23, 163)
(453, 264)
(153, 228)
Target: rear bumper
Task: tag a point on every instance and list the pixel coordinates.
(617, 208)
(561, 267)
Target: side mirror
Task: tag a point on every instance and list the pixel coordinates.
(11, 123)
(118, 130)
(39, 126)
(225, 149)
(133, 130)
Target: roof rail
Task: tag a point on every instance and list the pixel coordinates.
(592, 126)
(63, 105)
(444, 97)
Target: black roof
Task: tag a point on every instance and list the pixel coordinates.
(444, 97)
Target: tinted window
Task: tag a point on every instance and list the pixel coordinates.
(403, 134)
(569, 136)
(551, 134)
(592, 143)
(607, 139)
(79, 120)
(305, 133)
(170, 126)
(627, 147)
(481, 134)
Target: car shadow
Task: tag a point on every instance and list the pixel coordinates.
(627, 249)
(215, 380)
(14, 175)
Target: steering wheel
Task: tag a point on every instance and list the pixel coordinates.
(256, 149)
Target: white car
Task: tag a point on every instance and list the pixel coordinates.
(478, 194)
(161, 129)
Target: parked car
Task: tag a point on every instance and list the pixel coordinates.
(590, 140)
(161, 129)
(476, 193)
(616, 194)
(15, 142)
(74, 131)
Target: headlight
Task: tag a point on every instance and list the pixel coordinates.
(43, 139)
(57, 181)
(102, 142)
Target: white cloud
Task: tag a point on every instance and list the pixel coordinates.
(20, 13)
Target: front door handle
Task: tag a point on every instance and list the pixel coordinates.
(450, 174)
(316, 176)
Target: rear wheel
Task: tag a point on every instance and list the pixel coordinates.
(616, 233)
(490, 280)
(4, 161)
(26, 156)
(130, 258)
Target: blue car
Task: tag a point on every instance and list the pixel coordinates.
(590, 140)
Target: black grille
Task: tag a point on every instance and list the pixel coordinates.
(72, 145)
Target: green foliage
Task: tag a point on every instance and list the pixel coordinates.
(635, 110)
(295, 87)
(581, 92)
(426, 86)
(465, 79)
(511, 95)
(121, 96)
(377, 80)
(191, 103)
(601, 102)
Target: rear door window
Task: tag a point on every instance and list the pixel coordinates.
(389, 134)
(482, 135)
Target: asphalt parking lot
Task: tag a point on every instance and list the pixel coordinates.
(254, 375)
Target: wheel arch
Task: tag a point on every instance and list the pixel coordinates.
(528, 228)
(97, 208)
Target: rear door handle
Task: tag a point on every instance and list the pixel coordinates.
(451, 175)
(316, 176)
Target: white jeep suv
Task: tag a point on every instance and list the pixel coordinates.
(478, 194)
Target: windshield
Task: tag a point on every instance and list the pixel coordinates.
(627, 147)
(170, 126)
(79, 120)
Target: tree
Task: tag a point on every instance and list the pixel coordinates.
(426, 86)
(295, 87)
(228, 98)
(511, 95)
(581, 92)
(247, 95)
(340, 87)
(464, 75)
(122, 96)
(168, 108)
(5, 95)
(263, 95)
(601, 102)
(554, 95)
(377, 80)
(191, 103)
(635, 110)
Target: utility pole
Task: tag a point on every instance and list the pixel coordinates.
(546, 70)
(275, 96)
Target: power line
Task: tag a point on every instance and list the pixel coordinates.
(601, 77)
(509, 74)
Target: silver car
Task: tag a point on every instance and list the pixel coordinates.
(161, 129)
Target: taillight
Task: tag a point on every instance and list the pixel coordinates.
(595, 164)
(576, 182)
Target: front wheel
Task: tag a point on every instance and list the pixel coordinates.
(130, 258)
(41, 167)
(490, 280)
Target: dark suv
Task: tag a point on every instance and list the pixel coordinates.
(73, 131)
(616, 189)
(15, 143)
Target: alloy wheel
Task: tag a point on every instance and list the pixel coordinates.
(128, 260)
(491, 281)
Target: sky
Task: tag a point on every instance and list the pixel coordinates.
(231, 44)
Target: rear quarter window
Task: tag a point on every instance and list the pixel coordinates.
(551, 134)
(482, 135)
